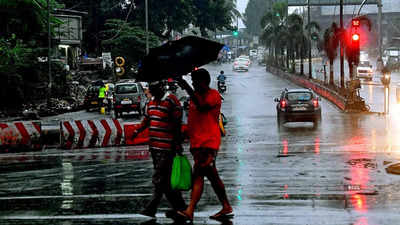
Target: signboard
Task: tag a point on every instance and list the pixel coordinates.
(329, 2)
(70, 30)
(107, 60)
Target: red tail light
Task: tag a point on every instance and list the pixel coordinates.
(315, 103)
(283, 104)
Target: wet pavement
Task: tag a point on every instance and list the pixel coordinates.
(333, 173)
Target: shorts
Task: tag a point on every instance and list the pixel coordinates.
(203, 157)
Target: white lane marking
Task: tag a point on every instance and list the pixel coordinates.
(89, 216)
(73, 196)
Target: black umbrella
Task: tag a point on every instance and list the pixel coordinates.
(176, 58)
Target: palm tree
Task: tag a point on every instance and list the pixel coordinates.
(274, 27)
(330, 46)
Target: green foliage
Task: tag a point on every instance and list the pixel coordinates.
(23, 39)
(213, 15)
(126, 40)
(255, 10)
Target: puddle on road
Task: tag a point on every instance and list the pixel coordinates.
(363, 163)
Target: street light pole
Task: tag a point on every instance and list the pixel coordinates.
(309, 41)
(237, 38)
(147, 26)
(49, 48)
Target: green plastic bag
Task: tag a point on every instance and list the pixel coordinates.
(181, 175)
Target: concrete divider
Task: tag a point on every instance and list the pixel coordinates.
(20, 135)
(321, 90)
(76, 134)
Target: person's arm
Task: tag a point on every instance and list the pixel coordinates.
(142, 126)
(201, 105)
(176, 114)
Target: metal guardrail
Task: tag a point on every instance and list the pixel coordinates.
(329, 2)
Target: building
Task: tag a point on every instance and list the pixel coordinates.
(68, 37)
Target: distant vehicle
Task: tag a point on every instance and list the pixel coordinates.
(241, 64)
(91, 101)
(128, 97)
(253, 53)
(364, 70)
(298, 105)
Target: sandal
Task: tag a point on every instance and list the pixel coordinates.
(183, 217)
(222, 216)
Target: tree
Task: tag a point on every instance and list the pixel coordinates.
(213, 15)
(164, 16)
(125, 39)
(98, 12)
(23, 40)
(254, 12)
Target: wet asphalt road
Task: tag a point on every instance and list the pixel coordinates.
(330, 174)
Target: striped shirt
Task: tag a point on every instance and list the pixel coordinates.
(163, 118)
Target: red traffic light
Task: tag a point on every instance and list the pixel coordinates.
(355, 37)
(355, 22)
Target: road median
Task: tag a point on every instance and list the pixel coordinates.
(318, 88)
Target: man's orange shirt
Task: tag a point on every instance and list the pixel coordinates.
(203, 129)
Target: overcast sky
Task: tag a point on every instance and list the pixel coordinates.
(241, 5)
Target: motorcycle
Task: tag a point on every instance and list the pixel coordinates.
(221, 87)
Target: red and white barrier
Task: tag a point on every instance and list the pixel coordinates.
(77, 134)
(20, 135)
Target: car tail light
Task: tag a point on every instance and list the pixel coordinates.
(283, 104)
(118, 106)
(315, 103)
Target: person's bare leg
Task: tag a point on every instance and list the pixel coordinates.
(197, 191)
(219, 189)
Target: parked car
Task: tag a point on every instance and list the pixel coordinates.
(91, 101)
(298, 105)
(241, 64)
(128, 97)
(364, 70)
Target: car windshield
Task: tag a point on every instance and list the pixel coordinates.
(364, 64)
(299, 96)
(126, 88)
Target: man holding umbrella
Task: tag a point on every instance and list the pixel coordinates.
(205, 138)
(163, 117)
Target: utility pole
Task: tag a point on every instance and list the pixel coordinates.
(147, 26)
(341, 46)
(237, 39)
(380, 62)
(49, 49)
(309, 41)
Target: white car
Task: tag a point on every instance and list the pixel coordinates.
(241, 64)
(364, 70)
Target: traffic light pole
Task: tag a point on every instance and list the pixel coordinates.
(309, 41)
(380, 62)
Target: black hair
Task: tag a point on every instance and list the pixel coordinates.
(201, 75)
(222, 72)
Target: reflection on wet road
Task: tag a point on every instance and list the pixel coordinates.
(333, 173)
